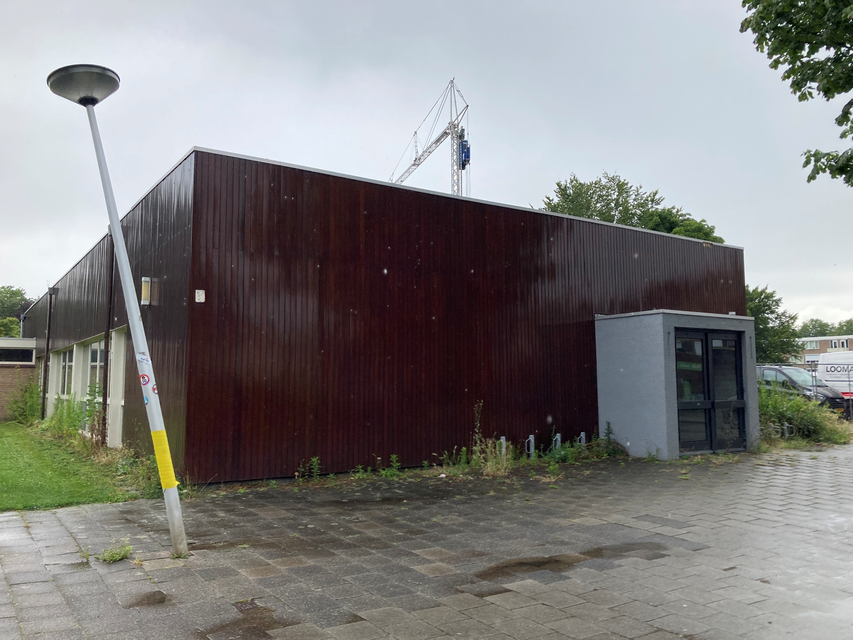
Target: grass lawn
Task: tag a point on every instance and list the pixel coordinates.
(37, 473)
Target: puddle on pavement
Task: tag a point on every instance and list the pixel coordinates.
(253, 624)
(564, 562)
(645, 550)
(147, 599)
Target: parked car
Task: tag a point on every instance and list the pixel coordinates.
(796, 380)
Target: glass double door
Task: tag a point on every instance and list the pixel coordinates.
(709, 374)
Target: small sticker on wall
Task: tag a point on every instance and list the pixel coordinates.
(141, 357)
(199, 295)
(154, 389)
(145, 398)
(144, 379)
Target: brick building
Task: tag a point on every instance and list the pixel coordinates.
(17, 364)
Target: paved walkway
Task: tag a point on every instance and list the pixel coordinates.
(759, 549)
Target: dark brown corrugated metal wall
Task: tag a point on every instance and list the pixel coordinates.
(80, 304)
(157, 232)
(348, 320)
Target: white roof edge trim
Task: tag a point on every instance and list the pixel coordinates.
(439, 193)
(372, 181)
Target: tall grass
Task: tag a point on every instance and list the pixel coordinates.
(25, 407)
(488, 455)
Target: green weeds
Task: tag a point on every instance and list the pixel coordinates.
(812, 422)
(25, 407)
(360, 473)
(392, 471)
(116, 552)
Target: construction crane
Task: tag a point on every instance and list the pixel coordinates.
(460, 150)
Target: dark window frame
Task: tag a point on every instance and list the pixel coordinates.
(20, 350)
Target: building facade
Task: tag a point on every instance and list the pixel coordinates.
(296, 313)
(17, 368)
(813, 347)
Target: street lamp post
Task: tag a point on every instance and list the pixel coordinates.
(87, 85)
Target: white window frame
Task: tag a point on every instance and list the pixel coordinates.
(842, 344)
(66, 373)
(812, 344)
(97, 367)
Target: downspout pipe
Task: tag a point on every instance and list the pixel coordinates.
(51, 292)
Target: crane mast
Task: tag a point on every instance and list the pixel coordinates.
(460, 150)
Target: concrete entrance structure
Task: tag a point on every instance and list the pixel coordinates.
(638, 385)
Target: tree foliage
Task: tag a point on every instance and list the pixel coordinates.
(817, 327)
(611, 198)
(13, 304)
(812, 40)
(10, 328)
(775, 329)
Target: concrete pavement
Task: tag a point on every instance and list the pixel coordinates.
(615, 549)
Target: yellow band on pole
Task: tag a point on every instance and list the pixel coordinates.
(164, 459)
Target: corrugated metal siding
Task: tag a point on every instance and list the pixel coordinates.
(349, 320)
(157, 232)
(35, 324)
(80, 304)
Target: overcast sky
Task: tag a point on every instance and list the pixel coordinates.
(666, 93)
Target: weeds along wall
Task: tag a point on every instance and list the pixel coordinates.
(302, 315)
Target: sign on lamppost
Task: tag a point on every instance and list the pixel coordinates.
(87, 85)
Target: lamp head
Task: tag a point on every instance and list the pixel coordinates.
(85, 84)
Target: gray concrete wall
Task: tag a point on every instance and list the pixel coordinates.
(632, 383)
(636, 377)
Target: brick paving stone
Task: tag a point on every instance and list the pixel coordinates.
(541, 613)
(703, 558)
(626, 627)
(466, 629)
(590, 611)
(463, 601)
(511, 600)
(680, 625)
(576, 628)
(441, 615)
(605, 598)
(523, 628)
(306, 631)
(356, 631)
(413, 630)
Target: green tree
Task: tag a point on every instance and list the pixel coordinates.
(10, 328)
(816, 327)
(611, 198)
(13, 303)
(812, 40)
(775, 329)
(844, 328)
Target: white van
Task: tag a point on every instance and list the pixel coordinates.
(836, 370)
